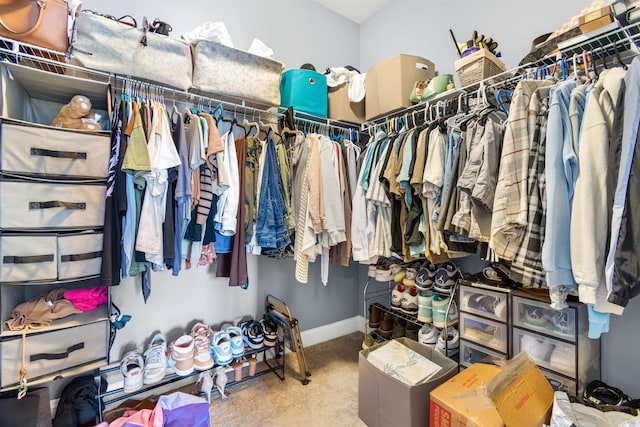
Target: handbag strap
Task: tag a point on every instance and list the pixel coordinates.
(41, 5)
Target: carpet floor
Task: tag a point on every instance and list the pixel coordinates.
(329, 399)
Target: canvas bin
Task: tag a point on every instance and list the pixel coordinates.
(233, 72)
(340, 108)
(304, 90)
(107, 45)
(45, 151)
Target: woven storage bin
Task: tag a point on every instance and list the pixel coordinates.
(478, 66)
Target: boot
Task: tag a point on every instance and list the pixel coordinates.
(374, 316)
(399, 325)
(237, 370)
(253, 361)
(386, 327)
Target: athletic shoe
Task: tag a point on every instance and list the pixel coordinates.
(374, 316)
(399, 325)
(602, 393)
(481, 302)
(425, 277)
(439, 308)
(563, 360)
(450, 343)
(535, 316)
(132, 368)
(398, 273)
(236, 340)
(253, 334)
(446, 278)
(479, 331)
(383, 270)
(221, 348)
(409, 302)
(386, 326)
(270, 331)
(410, 277)
(428, 335)
(425, 311)
(538, 350)
(155, 359)
(371, 271)
(181, 357)
(396, 296)
(201, 335)
(562, 323)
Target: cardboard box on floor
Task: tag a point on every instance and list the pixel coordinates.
(387, 401)
(515, 395)
(389, 83)
(340, 108)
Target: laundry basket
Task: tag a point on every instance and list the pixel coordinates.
(478, 66)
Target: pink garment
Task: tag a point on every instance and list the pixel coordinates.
(142, 418)
(88, 299)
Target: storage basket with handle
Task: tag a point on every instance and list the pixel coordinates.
(478, 66)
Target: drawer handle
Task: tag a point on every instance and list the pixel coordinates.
(81, 257)
(57, 204)
(58, 153)
(32, 259)
(56, 356)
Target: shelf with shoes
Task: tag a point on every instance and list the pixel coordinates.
(253, 364)
(556, 340)
(415, 300)
(485, 321)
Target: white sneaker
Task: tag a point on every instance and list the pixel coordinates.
(155, 359)
(563, 360)
(221, 347)
(539, 350)
(409, 301)
(132, 368)
(201, 335)
(181, 358)
(452, 343)
(428, 335)
(396, 296)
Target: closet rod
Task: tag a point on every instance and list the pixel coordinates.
(622, 41)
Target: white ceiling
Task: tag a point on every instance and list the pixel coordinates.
(356, 10)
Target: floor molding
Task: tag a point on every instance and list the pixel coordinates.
(331, 331)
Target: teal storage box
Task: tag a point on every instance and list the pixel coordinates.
(305, 91)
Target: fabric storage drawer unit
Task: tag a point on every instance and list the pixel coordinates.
(51, 352)
(304, 90)
(37, 205)
(53, 152)
(49, 257)
(482, 331)
(471, 353)
(484, 302)
(232, 72)
(538, 316)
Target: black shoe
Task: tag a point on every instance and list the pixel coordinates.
(603, 394)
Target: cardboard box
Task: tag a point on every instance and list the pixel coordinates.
(596, 19)
(340, 108)
(515, 395)
(387, 401)
(389, 83)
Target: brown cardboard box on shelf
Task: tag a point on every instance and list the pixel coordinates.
(340, 108)
(515, 395)
(389, 83)
(387, 401)
(596, 19)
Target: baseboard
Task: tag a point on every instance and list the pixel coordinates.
(331, 331)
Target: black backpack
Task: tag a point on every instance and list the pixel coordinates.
(78, 405)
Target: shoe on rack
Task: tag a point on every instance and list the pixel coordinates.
(383, 270)
(371, 271)
(425, 276)
(201, 335)
(450, 343)
(411, 330)
(562, 323)
(181, 356)
(409, 301)
(399, 325)
(132, 368)
(206, 384)
(602, 393)
(236, 340)
(428, 335)
(539, 350)
(440, 304)
(535, 316)
(386, 326)
(221, 348)
(270, 331)
(563, 360)
(398, 272)
(446, 277)
(375, 315)
(410, 277)
(396, 296)
(155, 359)
(253, 334)
(425, 309)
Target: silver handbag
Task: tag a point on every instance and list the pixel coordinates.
(107, 45)
(227, 71)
